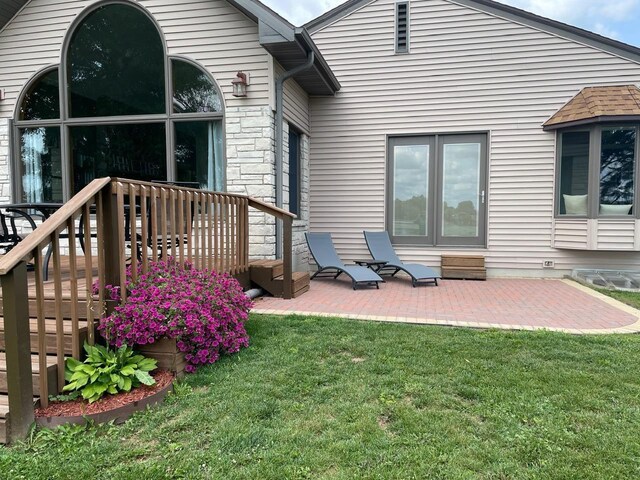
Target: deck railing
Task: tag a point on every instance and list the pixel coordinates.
(110, 225)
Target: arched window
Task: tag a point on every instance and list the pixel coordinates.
(126, 110)
(42, 99)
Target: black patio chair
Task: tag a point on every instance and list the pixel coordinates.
(380, 247)
(9, 236)
(327, 259)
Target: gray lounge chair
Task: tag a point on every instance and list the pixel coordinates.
(381, 249)
(325, 255)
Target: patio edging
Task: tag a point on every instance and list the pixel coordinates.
(628, 329)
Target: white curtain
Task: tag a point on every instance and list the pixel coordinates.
(216, 167)
(33, 149)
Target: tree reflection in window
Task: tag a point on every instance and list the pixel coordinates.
(42, 100)
(617, 166)
(135, 151)
(115, 68)
(115, 64)
(193, 90)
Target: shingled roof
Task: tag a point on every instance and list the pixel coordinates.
(597, 104)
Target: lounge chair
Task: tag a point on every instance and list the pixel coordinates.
(327, 259)
(381, 249)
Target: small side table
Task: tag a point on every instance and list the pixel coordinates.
(375, 265)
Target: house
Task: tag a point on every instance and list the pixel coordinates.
(460, 126)
(145, 90)
(467, 126)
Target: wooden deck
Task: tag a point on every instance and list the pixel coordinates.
(44, 322)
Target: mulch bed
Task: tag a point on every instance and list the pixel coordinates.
(109, 402)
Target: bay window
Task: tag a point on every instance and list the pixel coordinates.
(597, 172)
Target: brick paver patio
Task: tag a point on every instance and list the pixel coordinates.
(559, 305)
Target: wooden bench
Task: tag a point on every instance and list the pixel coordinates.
(463, 267)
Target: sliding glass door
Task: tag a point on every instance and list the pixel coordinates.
(437, 190)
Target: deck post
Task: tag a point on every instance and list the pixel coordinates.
(112, 253)
(15, 298)
(287, 257)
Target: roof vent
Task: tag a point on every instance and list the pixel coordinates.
(402, 27)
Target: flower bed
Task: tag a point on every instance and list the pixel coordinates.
(116, 408)
(203, 311)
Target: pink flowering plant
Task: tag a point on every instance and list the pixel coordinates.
(203, 310)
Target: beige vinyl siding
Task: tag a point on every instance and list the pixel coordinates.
(296, 102)
(211, 32)
(572, 234)
(468, 71)
(616, 234)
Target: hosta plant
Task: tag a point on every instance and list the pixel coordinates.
(107, 371)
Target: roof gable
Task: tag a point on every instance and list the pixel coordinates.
(289, 45)
(507, 12)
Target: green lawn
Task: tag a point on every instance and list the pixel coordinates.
(630, 298)
(332, 399)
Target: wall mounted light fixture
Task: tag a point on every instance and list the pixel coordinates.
(3, 94)
(240, 84)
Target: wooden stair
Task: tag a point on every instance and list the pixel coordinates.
(52, 375)
(50, 342)
(4, 411)
(268, 275)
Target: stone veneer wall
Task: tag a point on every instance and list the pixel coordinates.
(250, 141)
(5, 168)
(250, 144)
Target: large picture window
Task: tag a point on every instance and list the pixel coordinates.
(437, 190)
(113, 114)
(597, 172)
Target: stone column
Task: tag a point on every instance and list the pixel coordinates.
(250, 136)
(5, 180)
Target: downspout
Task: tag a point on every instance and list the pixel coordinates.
(280, 141)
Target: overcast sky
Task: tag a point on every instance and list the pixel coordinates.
(613, 18)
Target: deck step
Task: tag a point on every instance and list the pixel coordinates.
(300, 283)
(275, 268)
(269, 275)
(49, 308)
(51, 339)
(51, 373)
(4, 406)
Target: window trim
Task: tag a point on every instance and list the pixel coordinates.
(65, 122)
(437, 142)
(407, 49)
(595, 162)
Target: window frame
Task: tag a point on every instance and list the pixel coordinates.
(169, 118)
(436, 142)
(298, 193)
(595, 163)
